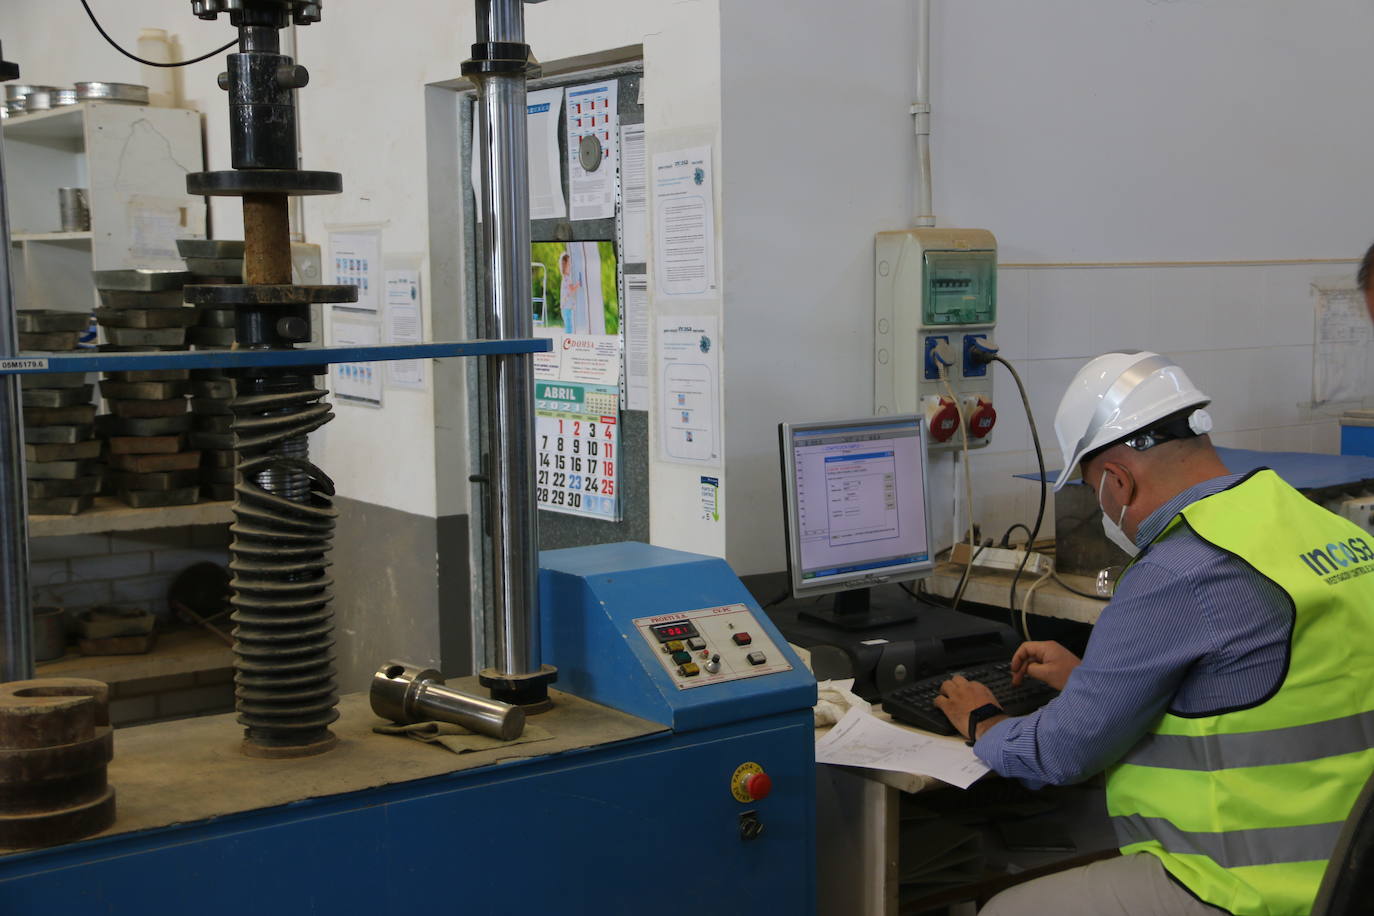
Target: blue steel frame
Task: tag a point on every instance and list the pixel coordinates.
(40, 363)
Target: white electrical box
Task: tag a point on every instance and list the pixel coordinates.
(1358, 509)
(935, 299)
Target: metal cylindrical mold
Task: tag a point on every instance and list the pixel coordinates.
(55, 746)
(262, 112)
(514, 623)
(49, 635)
(16, 619)
(406, 693)
(73, 206)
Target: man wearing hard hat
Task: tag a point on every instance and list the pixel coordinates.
(1228, 688)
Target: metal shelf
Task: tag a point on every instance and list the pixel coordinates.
(111, 515)
(19, 238)
(39, 363)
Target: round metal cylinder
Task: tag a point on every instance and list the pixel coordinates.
(49, 637)
(441, 703)
(406, 693)
(74, 208)
(392, 687)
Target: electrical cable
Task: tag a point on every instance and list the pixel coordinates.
(1025, 605)
(974, 550)
(1006, 536)
(778, 600)
(963, 580)
(1044, 485)
(1069, 588)
(151, 63)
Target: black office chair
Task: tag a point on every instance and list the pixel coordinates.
(1348, 886)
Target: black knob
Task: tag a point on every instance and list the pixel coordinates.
(223, 81)
(293, 76)
(293, 328)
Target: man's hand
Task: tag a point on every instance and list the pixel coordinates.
(1045, 661)
(958, 697)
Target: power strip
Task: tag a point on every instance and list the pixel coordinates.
(1002, 558)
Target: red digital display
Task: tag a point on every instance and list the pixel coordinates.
(678, 630)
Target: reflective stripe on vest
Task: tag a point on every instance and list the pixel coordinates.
(1234, 848)
(1244, 807)
(1346, 735)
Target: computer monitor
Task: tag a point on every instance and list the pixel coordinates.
(856, 513)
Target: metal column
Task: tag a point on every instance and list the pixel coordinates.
(16, 616)
(499, 66)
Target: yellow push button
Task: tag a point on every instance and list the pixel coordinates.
(688, 669)
(673, 645)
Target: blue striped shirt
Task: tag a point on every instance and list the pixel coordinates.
(1190, 630)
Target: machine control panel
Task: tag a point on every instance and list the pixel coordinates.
(711, 645)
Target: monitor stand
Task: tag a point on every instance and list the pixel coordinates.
(854, 610)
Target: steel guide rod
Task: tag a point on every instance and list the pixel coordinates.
(16, 613)
(498, 68)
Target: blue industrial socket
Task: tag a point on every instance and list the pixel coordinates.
(933, 362)
(977, 354)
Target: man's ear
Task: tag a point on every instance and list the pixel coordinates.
(1122, 482)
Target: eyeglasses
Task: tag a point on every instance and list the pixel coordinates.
(1106, 580)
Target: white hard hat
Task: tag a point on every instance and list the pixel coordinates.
(1118, 394)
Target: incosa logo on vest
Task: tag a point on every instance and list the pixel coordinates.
(1340, 560)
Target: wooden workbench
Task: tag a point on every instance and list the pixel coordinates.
(192, 770)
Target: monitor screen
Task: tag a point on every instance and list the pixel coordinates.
(856, 508)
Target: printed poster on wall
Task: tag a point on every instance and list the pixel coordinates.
(684, 224)
(358, 262)
(593, 120)
(577, 383)
(355, 383)
(689, 402)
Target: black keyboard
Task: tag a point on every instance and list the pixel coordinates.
(914, 704)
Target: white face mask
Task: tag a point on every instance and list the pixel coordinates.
(1113, 528)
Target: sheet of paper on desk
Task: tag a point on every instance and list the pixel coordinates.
(861, 740)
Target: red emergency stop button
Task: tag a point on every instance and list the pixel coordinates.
(942, 418)
(750, 783)
(981, 419)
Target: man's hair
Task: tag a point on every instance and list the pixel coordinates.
(1366, 273)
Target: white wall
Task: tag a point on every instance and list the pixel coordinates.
(1202, 130)
(1196, 130)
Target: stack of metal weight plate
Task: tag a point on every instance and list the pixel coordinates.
(148, 422)
(61, 451)
(212, 261)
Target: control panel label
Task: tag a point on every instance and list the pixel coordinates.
(711, 645)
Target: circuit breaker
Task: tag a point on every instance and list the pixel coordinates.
(935, 300)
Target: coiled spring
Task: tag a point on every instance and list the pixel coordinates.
(283, 506)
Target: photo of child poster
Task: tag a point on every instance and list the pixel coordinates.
(574, 288)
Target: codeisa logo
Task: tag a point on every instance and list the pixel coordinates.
(1341, 560)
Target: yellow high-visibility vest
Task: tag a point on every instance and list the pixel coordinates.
(1243, 807)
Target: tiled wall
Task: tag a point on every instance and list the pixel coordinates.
(1243, 333)
(130, 569)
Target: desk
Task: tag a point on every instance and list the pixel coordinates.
(860, 815)
(992, 587)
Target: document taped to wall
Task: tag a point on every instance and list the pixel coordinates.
(577, 444)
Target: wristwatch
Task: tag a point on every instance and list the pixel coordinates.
(981, 714)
